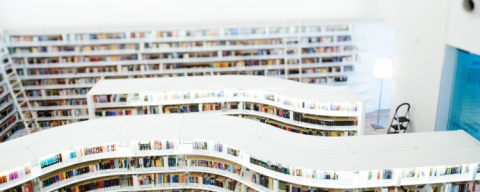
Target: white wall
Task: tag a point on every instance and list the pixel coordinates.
(464, 27)
(98, 15)
(446, 86)
(375, 40)
(421, 32)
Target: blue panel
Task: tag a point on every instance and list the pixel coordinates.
(465, 104)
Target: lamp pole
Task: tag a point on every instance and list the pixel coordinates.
(377, 125)
(379, 104)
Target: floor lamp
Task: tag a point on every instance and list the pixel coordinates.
(383, 69)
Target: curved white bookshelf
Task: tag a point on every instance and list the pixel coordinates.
(285, 102)
(353, 162)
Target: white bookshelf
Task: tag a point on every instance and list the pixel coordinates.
(9, 116)
(353, 163)
(311, 109)
(153, 55)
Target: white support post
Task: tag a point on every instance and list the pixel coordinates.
(91, 106)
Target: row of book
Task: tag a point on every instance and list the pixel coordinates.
(65, 92)
(215, 32)
(102, 184)
(5, 112)
(159, 67)
(4, 126)
(321, 70)
(5, 100)
(288, 170)
(75, 59)
(329, 49)
(233, 152)
(151, 162)
(70, 49)
(67, 71)
(54, 123)
(218, 147)
(287, 127)
(262, 180)
(109, 69)
(62, 102)
(110, 98)
(133, 47)
(197, 44)
(271, 166)
(79, 170)
(99, 149)
(324, 121)
(49, 161)
(142, 67)
(153, 45)
(268, 109)
(16, 174)
(200, 145)
(156, 145)
(92, 150)
(329, 59)
(322, 39)
(61, 81)
(245, 63)
(214, 163)
(324, 80)
(165, 179)
(115, 112)
(211, 106)
(385, 174)
(181, 108)
(151, 110)
(289, 187)
(462, 187)
(25, 187)
(215, 180)
(166, 57)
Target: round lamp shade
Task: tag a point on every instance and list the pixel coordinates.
(383, 68)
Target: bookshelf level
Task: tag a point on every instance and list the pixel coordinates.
(234, 154)
(297, 107)
(58, 64)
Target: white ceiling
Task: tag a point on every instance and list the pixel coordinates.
(84, 15)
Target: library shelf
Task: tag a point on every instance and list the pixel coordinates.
(65, 107)
(6, 117)
(158, 186)
(190, 52)
(73, 53)
(56, 97)
(6, 104)
(5, 93)
(62, 118)
(328, 54)
(291, 103)
(9, 127)
(67, 42)
(182, 144)
(62, 86)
